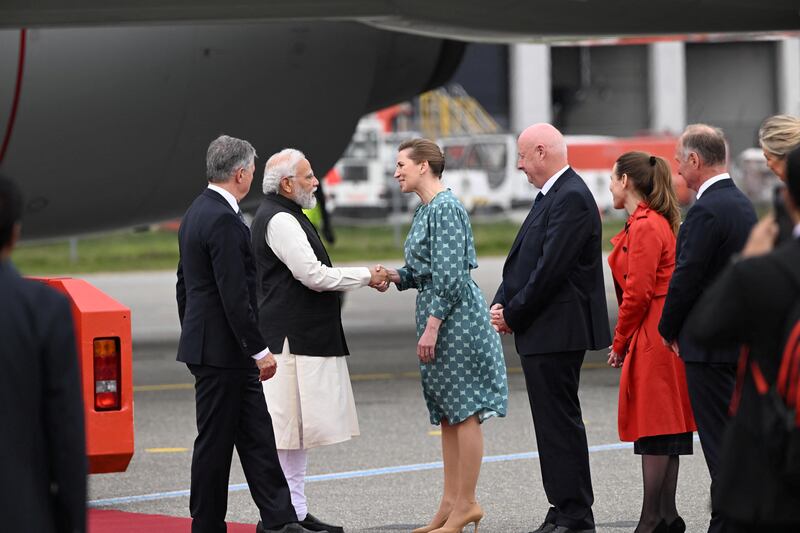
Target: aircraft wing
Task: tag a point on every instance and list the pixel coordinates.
(498, 20)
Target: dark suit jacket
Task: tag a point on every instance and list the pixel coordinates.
(716, 227)
(552, 291)
(750, 303)
(216, 290)
(43, 447)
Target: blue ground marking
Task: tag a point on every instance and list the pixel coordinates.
(350, 475)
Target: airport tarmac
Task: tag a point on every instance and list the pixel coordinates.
(388, 479)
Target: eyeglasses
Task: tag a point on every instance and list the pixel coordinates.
(309, 177)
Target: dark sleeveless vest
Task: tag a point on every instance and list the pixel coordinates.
(286, 308)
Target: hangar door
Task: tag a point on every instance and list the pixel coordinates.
(600, 90)
(731, 85)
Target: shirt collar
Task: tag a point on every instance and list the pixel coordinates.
(796, 231)
(549, 183)
(225, 194)
(712, 181)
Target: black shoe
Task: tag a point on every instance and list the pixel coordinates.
(313, 523)
(546, 527)
(565, 529)
(677, 526)
(292, 527)
(662, 527)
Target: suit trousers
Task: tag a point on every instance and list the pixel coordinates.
(552, 380)
(231, 411)
(710, 390)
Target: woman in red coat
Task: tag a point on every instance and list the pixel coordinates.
(654, 409)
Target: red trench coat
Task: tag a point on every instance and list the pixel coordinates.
(653, 397)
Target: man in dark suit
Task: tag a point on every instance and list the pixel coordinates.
(43, 448)
(553, 299)
(715, 228)
(752, 303)
(221, 345)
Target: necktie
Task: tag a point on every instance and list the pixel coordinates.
(538, 198)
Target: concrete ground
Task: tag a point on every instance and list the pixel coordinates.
(387, 479)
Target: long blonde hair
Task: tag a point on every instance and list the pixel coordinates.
(652, 178)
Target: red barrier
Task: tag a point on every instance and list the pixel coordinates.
(103, 334)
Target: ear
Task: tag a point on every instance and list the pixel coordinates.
(423, 167)
(624, 180)
(286, 185)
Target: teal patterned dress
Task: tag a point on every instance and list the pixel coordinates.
(468, 373)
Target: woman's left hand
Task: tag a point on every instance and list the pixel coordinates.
(615, 360)
(427, 342)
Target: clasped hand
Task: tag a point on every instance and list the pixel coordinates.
(498, 320)
(381, 277)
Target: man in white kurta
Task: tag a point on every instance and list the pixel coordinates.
(310, 398)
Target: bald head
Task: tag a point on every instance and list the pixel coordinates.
(542, 152)
(701, 154)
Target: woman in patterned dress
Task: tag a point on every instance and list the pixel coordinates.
(461, 359)
(654, 408)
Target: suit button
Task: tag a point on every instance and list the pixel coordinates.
(624, 276)
(624, 248)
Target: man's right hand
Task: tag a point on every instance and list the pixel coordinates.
(267, 366)
(379, 277)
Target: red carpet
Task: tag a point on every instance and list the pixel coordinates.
(101, 521)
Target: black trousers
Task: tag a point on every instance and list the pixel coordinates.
(232, 411)
(710, 390)
(552, 380)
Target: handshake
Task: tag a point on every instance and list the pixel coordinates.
(380, 277)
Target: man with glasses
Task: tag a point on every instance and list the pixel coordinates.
(310, 398)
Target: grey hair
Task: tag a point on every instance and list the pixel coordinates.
(280, 165)
(225, 156)
(708, 142)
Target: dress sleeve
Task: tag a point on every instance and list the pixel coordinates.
(406, 278)
(644, 254)
(448, 237)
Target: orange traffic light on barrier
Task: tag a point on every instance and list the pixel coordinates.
(103, 334)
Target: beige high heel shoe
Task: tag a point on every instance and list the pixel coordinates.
(430, 527)
(474, 516)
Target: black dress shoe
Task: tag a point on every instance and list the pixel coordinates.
(292, 527)
(546, 527)
(565, 529)
(312, 523)
(676, 526)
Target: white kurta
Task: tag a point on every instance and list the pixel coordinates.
(310, 398)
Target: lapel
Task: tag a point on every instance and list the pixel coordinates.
(214, 195)
(539, 209)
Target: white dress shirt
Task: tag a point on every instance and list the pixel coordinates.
(550, 182)
(796, 231)
(310, 398)
(225, 194)
(710, 182)
(231, 199)
(289, 242)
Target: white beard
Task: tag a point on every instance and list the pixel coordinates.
(306, 200)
